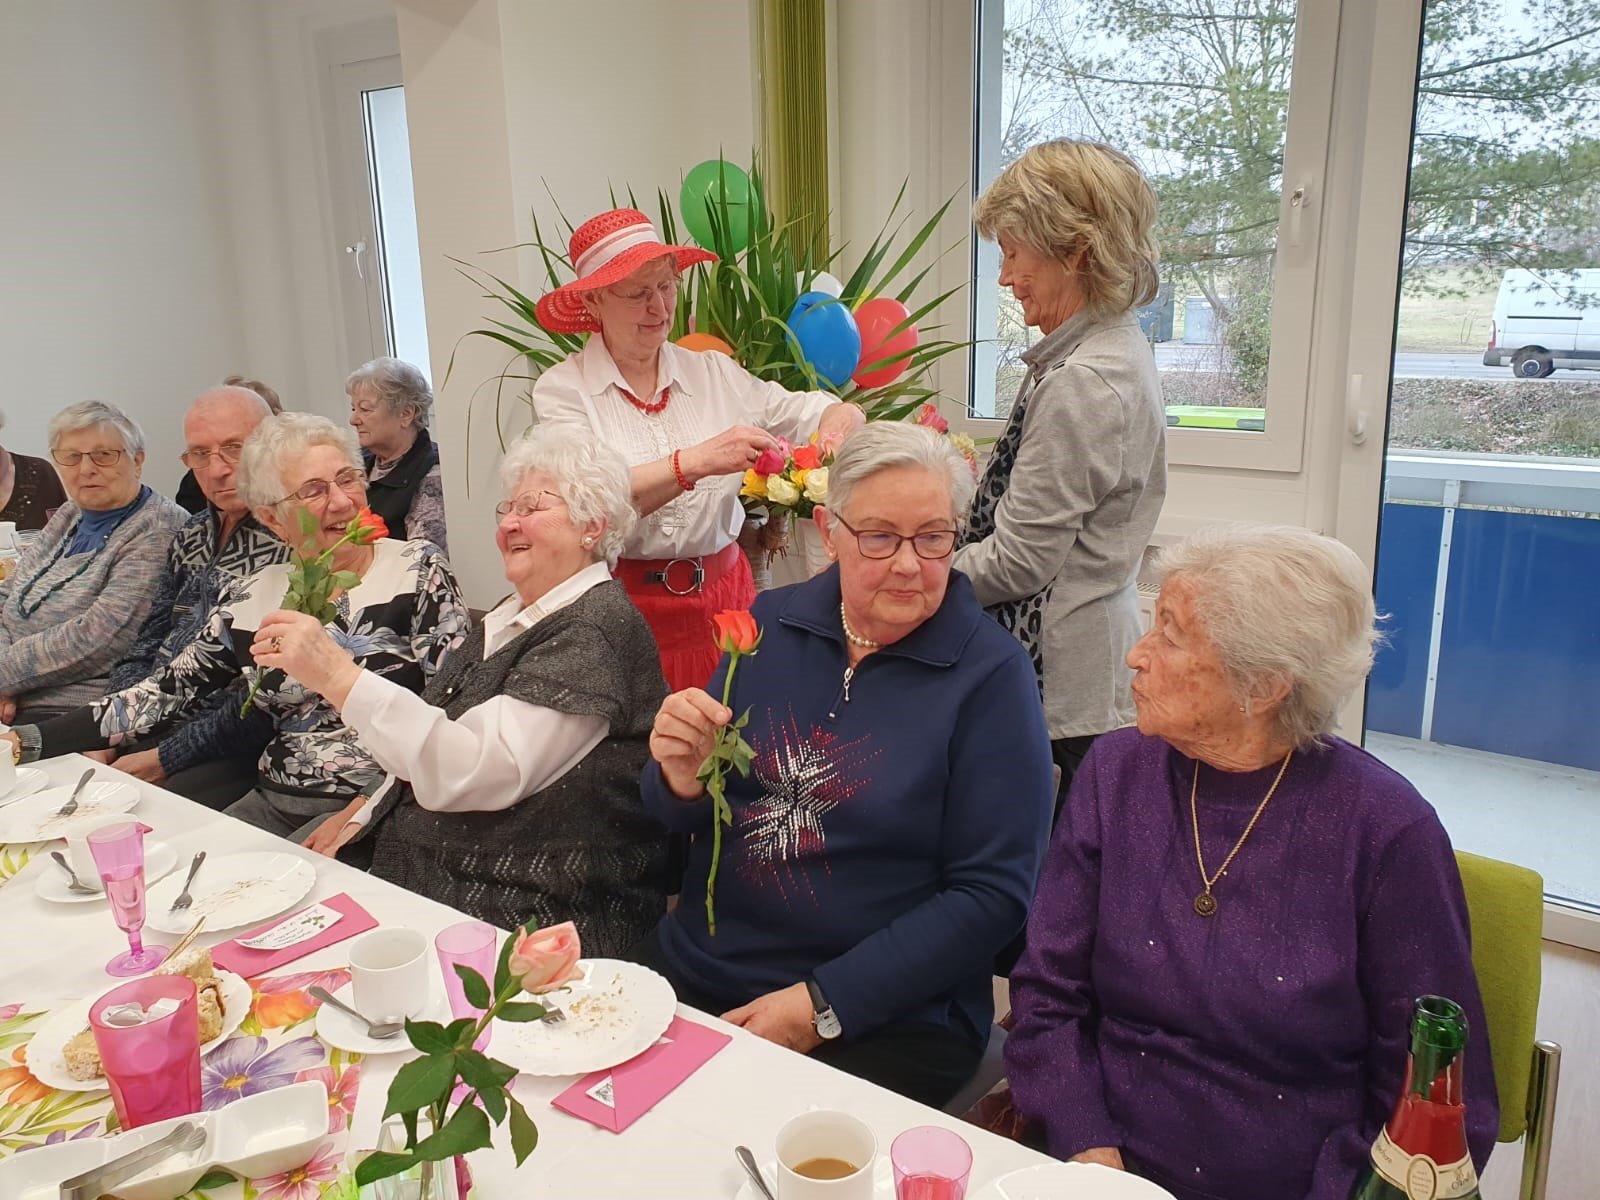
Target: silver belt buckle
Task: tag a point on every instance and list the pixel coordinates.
(697, 578)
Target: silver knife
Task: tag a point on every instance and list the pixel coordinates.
(93, 1184)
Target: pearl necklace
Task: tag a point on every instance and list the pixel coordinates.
(851, 636)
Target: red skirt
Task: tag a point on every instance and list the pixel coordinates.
(682, 623)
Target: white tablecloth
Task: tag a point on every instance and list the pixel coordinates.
(681, 1148)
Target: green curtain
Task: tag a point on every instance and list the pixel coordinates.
(794, 116)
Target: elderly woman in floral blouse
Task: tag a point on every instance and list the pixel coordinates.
(400, 619)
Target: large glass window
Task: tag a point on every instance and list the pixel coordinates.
(1198, 93)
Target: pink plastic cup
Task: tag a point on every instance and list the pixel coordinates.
(118, 852)
(153, 1067)
(471, 944)
(930, 1163)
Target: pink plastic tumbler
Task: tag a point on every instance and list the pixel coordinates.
(153, 1066)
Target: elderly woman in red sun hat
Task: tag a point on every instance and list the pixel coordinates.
(689, 424)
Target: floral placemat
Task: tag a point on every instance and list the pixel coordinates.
(14, 856)
(273, 1047)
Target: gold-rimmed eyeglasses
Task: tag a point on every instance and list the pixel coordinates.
(524, 507)
(228, 453)
(351, 481)
(100, 458)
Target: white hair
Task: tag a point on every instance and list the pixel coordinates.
(90, 415)
(1283, 605)
(279, 439)
(879, 445)
(396, 384)
(591, 478)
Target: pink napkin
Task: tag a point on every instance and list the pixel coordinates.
(616, 1098)
(249, 963)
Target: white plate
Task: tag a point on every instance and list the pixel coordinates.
(34, 819)
(1071, 1181)
(346, 1033)
(231, 890)
(51, 884)
(29, 781)
(882, 1180)
(617, 1015)
(48, 1063)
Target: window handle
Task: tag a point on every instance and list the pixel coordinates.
(1355, 412)
(1299, 202)
(358, 249)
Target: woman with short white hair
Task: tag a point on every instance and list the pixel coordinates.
(390, 403)
(73, 603)
(1239, 908)
(512, 787)
(1075, 484)
(402, 615)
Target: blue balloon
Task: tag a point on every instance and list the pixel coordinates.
(828, 336)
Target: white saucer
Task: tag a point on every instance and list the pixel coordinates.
(159, 859)
(882, 1180)
(48, 1063)
(29, 781)
(344, 1032)
(1068, 1181)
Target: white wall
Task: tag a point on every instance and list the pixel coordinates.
(504, 98)
(162, 221)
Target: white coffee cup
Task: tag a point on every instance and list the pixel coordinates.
(78, 853)
(389, 974)
(8, 535)
(825, 1134)
(8, 767)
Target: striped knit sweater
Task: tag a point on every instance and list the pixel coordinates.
(65, 620)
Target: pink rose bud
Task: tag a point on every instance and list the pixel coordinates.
(545, 959)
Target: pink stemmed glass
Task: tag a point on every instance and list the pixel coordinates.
(469, 944)
(152, 1065)
(930, 1164)
(118, 852)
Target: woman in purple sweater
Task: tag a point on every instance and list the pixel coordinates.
(1238, 909)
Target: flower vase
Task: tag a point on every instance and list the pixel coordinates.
(425, 1181)
(812, 552)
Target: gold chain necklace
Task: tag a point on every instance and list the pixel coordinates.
(1205, 904)
(854, 638)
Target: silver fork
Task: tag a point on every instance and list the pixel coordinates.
(552, 1015)
(71, 806)
(184, 898)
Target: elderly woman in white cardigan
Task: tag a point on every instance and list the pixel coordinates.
(74, 603)
(1075, 484)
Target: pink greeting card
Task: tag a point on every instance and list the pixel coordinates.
(615, 1098)
(325, 923)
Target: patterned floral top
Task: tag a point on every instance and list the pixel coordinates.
(400, 621)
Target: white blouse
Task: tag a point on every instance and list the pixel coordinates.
(494, 754)
(710, 392)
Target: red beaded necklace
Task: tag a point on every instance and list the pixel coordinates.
(648, 409)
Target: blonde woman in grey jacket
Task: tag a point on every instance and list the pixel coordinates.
(1072, 492)
(74, 603)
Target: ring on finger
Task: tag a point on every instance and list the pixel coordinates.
(277, 645)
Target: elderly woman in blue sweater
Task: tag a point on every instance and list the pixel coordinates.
(885, 843)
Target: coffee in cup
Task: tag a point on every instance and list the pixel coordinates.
(825, 1155)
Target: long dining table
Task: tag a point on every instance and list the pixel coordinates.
(684, 1147)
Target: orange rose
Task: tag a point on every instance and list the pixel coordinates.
(807, 457)
(736, 632)
(367, 526)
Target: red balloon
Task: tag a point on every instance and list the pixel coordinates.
(876, 319)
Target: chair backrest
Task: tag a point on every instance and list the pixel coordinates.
(1506, 905)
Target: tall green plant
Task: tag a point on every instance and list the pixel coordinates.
(744, 298)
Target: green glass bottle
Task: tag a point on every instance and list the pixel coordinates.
(1421, 1154)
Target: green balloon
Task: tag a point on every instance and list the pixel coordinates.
(705, 188)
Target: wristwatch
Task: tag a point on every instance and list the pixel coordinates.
(823, 1017)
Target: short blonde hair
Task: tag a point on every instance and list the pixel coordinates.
(1066, 196)
(1283, 604)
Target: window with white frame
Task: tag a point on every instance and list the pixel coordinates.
(1226, 106)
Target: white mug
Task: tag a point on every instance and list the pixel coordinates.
(389, 974)
(825, 1135)
(8, 767)
(8, 535)
(78, 853)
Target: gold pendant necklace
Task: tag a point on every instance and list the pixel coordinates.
(1205, 904)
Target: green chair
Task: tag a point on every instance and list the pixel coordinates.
(1506, 904)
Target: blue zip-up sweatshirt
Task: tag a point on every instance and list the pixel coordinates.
(888, 837)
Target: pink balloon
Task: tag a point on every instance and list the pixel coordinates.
(876, 319)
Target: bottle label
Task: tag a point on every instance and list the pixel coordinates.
(1418, 1176)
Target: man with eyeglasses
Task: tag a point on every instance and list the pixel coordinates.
(211, 758)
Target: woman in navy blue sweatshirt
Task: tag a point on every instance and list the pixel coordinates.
(887, 839)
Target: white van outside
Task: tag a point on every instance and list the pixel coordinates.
(1544, 320)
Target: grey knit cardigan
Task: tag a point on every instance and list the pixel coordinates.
(57, 647)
